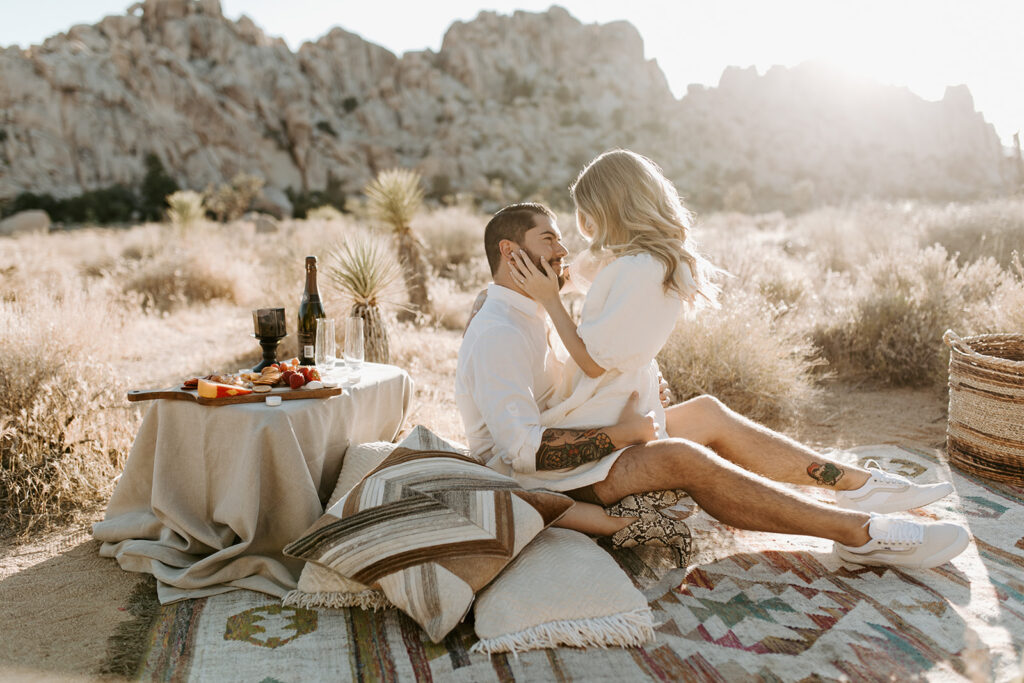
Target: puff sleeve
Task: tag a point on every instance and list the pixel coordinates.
(628, 316)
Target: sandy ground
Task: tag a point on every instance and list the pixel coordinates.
(60, 602)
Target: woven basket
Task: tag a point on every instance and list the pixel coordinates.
(985, 434)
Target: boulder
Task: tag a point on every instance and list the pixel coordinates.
(264, 223)
(273, 201)
(23, 222)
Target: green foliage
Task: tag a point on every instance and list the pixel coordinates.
(331, 195)
(113, 204)
(326, 127)
(157, 185)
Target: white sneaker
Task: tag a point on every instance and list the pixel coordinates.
(905, 543)
(886, 492)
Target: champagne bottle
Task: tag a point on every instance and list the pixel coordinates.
(310, 309)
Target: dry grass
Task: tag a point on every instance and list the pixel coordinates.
(741, 355)
(860, 286)
(64, 432)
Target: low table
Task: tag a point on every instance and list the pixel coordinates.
(210, 495)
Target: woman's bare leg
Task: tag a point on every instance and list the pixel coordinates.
(707, 421)
(591, 519)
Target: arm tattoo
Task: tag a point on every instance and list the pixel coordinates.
(827, 473)
(561, 448)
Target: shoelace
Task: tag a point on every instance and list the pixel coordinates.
(878, 473)
(903, 532)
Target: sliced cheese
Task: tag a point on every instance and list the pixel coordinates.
(208, 389)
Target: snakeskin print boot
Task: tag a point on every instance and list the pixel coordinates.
(651, 501)
(652, 527)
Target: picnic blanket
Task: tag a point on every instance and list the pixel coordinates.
(751, 606)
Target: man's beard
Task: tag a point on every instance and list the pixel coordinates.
(557, 268)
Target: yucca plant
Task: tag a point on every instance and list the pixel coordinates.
(184, 208)
(364, 271)
(393, 198)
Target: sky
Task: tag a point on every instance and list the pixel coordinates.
(924, 45)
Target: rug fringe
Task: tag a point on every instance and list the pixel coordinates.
(368, 599)
(128, 645)
(626, 629)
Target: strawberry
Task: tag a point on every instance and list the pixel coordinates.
(296, 380)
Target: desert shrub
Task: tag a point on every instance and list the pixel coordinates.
(452, 304)
(902, 302)
(842, 238)
(973, 231)
(739, 354)
(185, 208)
(64, 431)
(180, 277)
(228, 201)
(453, 235)
(325, 213)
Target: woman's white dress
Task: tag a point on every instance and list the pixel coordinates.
(626, 319)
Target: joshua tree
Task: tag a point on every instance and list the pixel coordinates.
(393, 198)
(184, 208)
(363, 270)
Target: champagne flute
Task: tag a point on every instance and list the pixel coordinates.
(354, 343)
(325, 346)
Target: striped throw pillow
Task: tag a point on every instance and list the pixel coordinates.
(430, 528)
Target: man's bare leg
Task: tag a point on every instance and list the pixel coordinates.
(707, 421)
(729, 493)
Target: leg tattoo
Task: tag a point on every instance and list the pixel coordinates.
(827, 473)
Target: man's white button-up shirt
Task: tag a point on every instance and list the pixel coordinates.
(506, 373)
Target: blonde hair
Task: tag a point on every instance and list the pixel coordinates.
(635, 209)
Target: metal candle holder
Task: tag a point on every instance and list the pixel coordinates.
(269, 327)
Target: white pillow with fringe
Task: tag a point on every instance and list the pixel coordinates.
(562, 589)
(323, 587)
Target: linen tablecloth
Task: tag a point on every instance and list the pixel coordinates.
(211, 494)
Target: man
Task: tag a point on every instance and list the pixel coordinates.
(731, 466)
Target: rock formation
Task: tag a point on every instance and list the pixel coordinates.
(526, 99)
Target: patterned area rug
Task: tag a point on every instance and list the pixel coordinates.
(751, 607)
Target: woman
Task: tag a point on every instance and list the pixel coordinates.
(639, 275)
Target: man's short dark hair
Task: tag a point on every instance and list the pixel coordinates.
(510, 223)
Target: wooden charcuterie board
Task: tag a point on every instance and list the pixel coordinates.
(179, 394)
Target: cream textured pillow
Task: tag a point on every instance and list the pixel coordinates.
(563, 589)
(430, 528)
(323, 587)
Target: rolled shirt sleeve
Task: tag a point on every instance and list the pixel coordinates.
(628, 316)
(500, 380)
